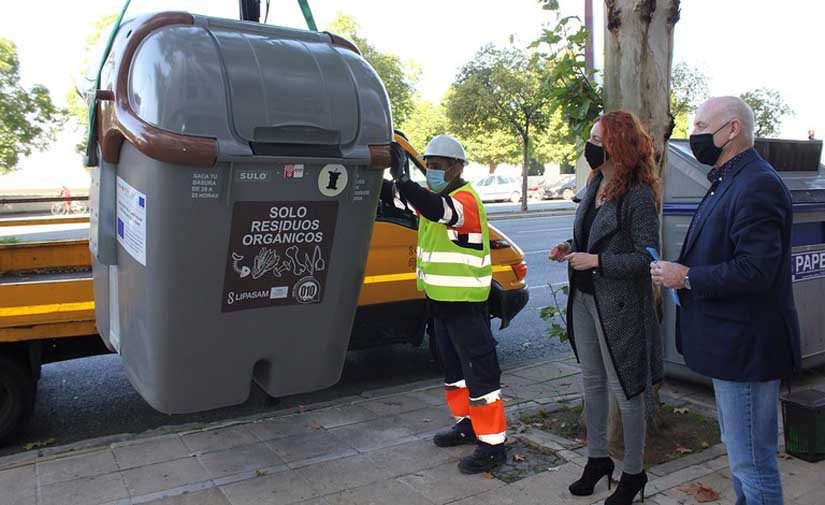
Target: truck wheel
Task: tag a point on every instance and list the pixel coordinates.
(16, 396)
(568, 194)
(515, 197)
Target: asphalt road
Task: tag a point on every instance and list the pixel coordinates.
(91, 397)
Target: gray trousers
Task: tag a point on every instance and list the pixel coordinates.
(598, 375)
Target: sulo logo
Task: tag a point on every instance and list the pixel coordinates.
(253, 175)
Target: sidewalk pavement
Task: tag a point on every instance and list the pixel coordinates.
(371, 449)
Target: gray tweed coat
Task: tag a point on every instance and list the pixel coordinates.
(623, 289)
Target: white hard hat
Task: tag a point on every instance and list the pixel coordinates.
(446, 147)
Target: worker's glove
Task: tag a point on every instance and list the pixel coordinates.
(400, 164)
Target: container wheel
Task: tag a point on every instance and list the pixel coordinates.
(16, 396)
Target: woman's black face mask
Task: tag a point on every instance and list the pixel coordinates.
(595, 155)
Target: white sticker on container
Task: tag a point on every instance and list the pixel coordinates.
(332, 180)
(131, 220)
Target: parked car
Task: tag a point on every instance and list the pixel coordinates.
(498, 188)
(564, 188)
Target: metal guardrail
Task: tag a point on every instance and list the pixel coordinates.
(42, 199)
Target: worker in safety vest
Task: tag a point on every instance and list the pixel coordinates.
(454, 271)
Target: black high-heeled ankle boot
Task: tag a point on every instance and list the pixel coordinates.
(629, 486)
(594, 470)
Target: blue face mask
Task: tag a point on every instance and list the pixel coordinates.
(435, 180)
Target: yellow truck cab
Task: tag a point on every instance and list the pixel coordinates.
(47, 302)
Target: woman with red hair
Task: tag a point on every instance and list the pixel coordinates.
(611, 320)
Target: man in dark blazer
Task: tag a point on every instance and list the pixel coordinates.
(737, 323)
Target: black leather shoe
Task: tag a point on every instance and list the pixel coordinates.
(594, 470)
(629, 486)
(460, 433)
(486, 457)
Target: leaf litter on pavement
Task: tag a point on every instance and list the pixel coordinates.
(700, 492)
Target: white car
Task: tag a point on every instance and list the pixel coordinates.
(493, 188)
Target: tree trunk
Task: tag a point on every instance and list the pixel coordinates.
(638, 57)
(525, 169)
(492, 166)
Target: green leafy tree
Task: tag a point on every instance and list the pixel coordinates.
(399, 79)
(688, 88)
(28, 117)
(769, 108)
(426, 120)
(76, 105)
(498, 145)
(556, 144)
(573, 91)
(501, 89)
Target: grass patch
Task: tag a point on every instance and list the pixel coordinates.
(680, 431)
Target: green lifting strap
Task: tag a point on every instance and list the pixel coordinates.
(308, 15)
(90, 139)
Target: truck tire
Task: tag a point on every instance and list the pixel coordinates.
(16, 396)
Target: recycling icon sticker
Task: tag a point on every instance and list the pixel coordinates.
(278, 253)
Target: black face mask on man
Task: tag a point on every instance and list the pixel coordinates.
(595, 155)
(704, 149)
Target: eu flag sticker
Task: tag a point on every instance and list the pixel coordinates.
(141, 201)
(120, 227)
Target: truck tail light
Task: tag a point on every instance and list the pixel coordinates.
(520, 269)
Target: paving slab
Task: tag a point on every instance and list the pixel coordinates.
(293, 425)
(375, 434)
(146, 452)
(74, 467)
(342, 474)
(445, 484)
(393, 405)
(85, 491)
(411, 457)
(18, 485)
(218, 439)
(282, 488)
(239, 459)
(310, 445)
(386, 492)
(547, 371)
(341, 416)
(156, 477)
(544, 488)
(212, 496)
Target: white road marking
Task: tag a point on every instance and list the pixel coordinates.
(544, 229)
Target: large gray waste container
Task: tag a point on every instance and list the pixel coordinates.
(685, 185)
(240, 166)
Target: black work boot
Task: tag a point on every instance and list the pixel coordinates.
(485, 458)
(460, 433)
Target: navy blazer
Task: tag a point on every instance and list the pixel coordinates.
(739, 322)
